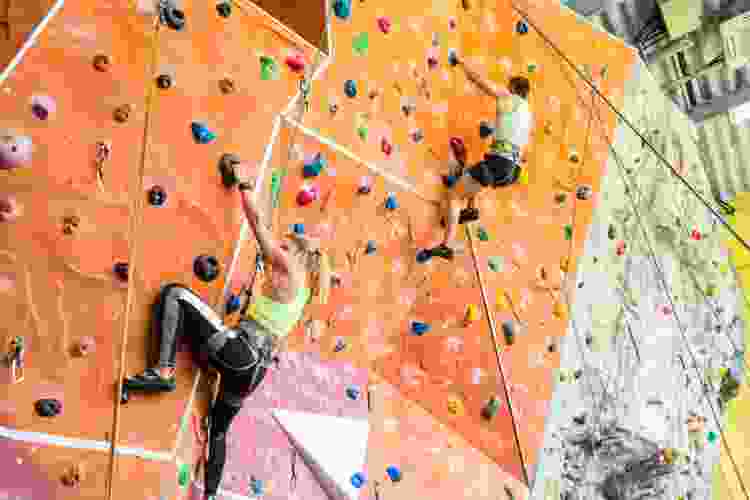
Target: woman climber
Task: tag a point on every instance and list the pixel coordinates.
(501, 164)
(241, 353)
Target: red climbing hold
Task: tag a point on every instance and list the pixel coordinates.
(384, 24)
(459, 149)
(307, 195)
(696, 235)
(386, 147)
(621, 248)
(295, 62)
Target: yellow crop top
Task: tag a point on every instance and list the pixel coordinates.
(279, 319)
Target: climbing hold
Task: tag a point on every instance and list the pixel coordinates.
(564, 264)
(523, 178)
(418, 328)
(394, 473)
(48, 407)
(452, 57)
(171, 15)
(201, 134)
(584, 192)
(224, 9)
(373, 93)
(560, 198)
(353, 392)
(417, 136)
(552, 346)
(371, 247)
(455, 406)
(436, 40)
(358, 480)
(408, 108)
(449, 181)
(491, 408)
(466, 4)
(342, 9)
(314, 166)
(157, 196)
(86, 346)
(386, 147)
(423, 256)
(361, 43)
(502, 303)
(233, 304)
(268, 68)
(42, 106)
(350, 88)
(391, 203)
(568, 231)
(452, 24)
(226, 85)
(365, 184)
(183, 476)
(432, 61)
(121, 270)
(228, 169)
(548, 127)
(102, 62)
(495, 264)
(509, 332)
(206, 268)
(711, 436)
(9, 210)
(531, 67)
(333, 108)
(122, 113)
(340, 344)
(611, 233)
(620, 248)
(307, 195)
(482, 234)
(696, 235)
(256, 486)
(362, 132)
(522, 28)
(472, 314)
(295, 62)
(164, 82)
(458, 148)
(384, 24)
(573, 155)
(298, 228)
(559, 310)
(710, 290)
(485, 129)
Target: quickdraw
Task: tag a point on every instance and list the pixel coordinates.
(304, 88)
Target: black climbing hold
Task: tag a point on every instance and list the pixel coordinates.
(228, 169)
(206, 268)
(171, 15)
(611, 234)
(578, 374)
(48, 407)
(124, 396)
(224, 9)
(580, 420)
(121, 270)
(350, 88)
(157, 196)
(522, 28)
(584, 192)
(164, 81)
(485, 129)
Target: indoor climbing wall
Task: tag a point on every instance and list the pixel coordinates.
(654, 288)
(389, 102)
(91, 220)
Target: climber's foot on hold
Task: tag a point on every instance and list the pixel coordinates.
(150, 381)
(443, 251)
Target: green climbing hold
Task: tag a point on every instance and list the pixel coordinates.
(710, 290)
(269, 70)
(362, 132)
(711, 436)
(361, 43)
(183, 477)
(482, 234)
(495, 264)
(560, 198)
(275, 188)
(568, 231)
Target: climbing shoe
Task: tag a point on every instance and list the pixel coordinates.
(443, 251)
(150, 381)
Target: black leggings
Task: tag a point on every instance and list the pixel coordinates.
(240, 354)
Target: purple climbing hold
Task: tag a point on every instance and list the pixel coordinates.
(48, 407)
(206, 268)
(15, 151)
(42, 106)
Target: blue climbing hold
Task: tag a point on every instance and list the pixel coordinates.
(201, 134)
(358, 480)
(449, 181)
(342, 8)
(340, 345)
(522, 28)
(371, 247)
(391, 203)
(256, 486)
(298, 228)
(350, 88)
(394, 473)
(353, 392)
(423, 256)
(314, 167)
(233, 304)
(418, 328)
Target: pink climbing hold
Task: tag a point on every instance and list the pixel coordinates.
(296, 62)
(15, 151)
(384, 24)
(307, 195)
(8, 209)
(452, 23)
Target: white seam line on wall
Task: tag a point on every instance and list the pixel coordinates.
(344, 151)
(30, 40)
(81, 444)
(287, 31)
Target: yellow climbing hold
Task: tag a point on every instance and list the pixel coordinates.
(503, 304)
(559, 310)
(523, 179)
(472, 314)
(564, 264)
(455, 406)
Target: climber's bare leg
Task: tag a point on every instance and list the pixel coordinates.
(465, 190)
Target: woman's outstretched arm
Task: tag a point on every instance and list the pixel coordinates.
(268, 244)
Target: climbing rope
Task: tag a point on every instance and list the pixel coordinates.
(501, 371)
(624, 120)
(134, 238)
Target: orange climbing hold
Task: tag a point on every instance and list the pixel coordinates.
(559, 310)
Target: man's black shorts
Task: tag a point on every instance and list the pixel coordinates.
(496, 171)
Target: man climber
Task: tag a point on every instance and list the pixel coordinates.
(501, 164)
(241, 353)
